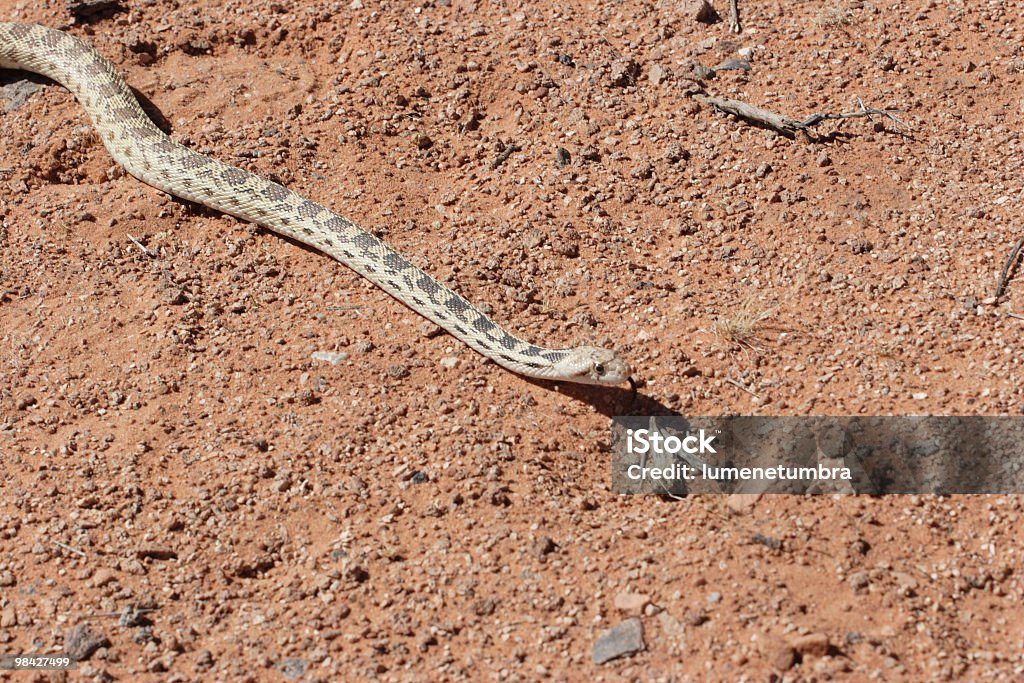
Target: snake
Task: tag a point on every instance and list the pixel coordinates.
(148, 154)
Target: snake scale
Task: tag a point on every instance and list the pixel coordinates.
(147, 153)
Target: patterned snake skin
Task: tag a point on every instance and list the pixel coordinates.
(152, 157)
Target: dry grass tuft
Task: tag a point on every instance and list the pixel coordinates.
(834, 16)
(744, 327)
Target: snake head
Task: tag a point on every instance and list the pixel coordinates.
(593, 365)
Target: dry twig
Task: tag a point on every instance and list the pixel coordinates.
(505, 154)
(1004, 277)
(70, 549)
(143, 249)
(785, 125)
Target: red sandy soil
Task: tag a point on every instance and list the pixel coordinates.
(415, 513)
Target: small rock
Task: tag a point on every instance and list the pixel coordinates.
(700, 10)
(590, 153)
(768, 541)
(703, 73)
(330, 356)
(293, 668)
(859, 581)
(102, 577)
(156, 553)
(674, 153)
(17, 93)
(733, 65)
(397, 371)
(25, 402)
(860, 245)
(621, 640)
(695, 617)
(656, 74)
(903, 580)
(423, 141)
(624, 72)
(779, 654)
(813, 644)
(542, 546)
(562, 157)
(87, 8)
(430, 330)
(824, 160)
(631, 603)
(81, 641)
(173, 296)
(8, 618)
(742, 503)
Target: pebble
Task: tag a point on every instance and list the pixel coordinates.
(397, 371)
(812, 644)
(542, 546)
(859, 582)
(82, 641)
(631, 603)
(293, 668)
(778, 653)
(700, 10)
(656, 74)
(742, 503)
(703, 73)
(330, 356)
(621, 640)
(733, 65)
(624, 72)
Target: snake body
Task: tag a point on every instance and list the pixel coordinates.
(147, 153)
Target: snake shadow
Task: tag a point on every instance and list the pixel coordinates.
(15, 100)
(609, 401)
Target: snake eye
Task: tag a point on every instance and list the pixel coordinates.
(599, 369)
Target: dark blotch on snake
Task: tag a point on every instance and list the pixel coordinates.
(482, 324)
(395, 262)
(428, 285)
(308, 209)
(275, 192)
(366, 242)
(457, 304)
(234, 176)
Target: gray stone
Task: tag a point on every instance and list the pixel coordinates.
(621, 640)
(82, 641)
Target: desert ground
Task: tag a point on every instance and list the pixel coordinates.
(228, 457)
